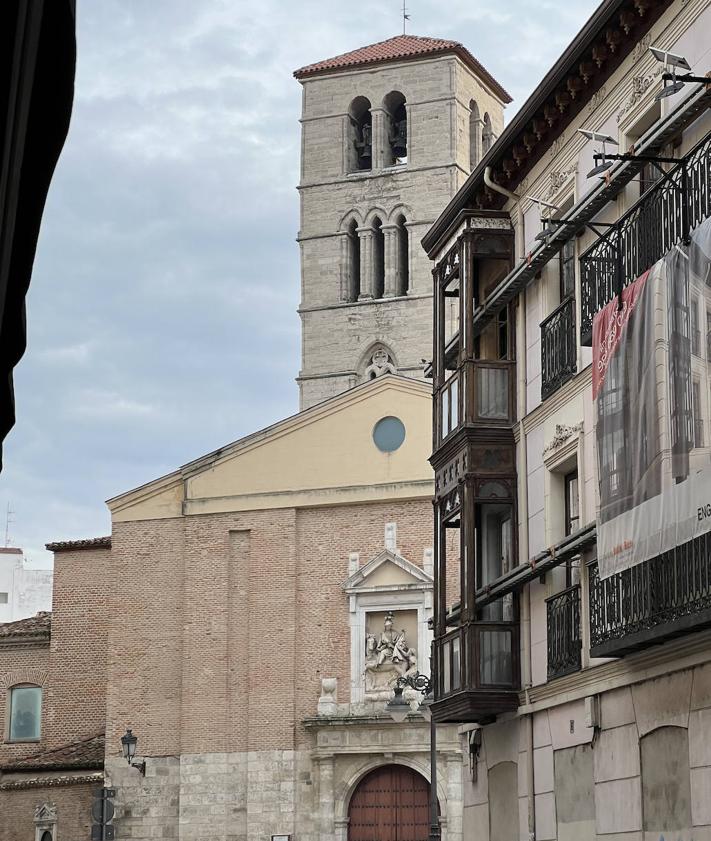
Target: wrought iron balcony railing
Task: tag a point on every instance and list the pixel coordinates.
(564, 639)
(663, 217)
(662, 598)
(558, 348)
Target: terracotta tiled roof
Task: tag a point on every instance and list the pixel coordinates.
(73, 545)
(86, 753)
(400, 47)
(34, 626)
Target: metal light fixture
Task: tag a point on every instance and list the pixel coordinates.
(397, 706)
(546, 221)
(674, 62)
(128, 747)
(605, 160)
(426, 706)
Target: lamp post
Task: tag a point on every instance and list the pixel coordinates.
(398, 708)
(128, 748)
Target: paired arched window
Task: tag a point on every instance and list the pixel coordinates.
(395, 141)
(359, 146)
(487, 135)
(475, 125)
(375, 258)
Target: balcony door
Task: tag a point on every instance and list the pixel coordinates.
(390, 804)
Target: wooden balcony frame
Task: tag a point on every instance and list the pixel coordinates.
(469, 698)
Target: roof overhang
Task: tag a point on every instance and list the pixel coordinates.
(550, 108)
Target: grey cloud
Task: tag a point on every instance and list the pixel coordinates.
(162, 313)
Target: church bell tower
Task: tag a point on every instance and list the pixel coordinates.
(390, 132)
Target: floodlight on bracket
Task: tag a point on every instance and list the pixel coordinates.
(546, 221)
(674, 62)
(608, 159)
(599, 137)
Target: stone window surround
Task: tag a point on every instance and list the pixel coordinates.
(362, 600)
(45, 819)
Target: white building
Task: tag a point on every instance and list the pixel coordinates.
(23, 591)
(571, 456)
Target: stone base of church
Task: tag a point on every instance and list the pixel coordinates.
(252, 795)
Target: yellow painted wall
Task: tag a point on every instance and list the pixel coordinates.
(325, 455)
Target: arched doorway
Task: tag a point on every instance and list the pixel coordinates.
(390, 803)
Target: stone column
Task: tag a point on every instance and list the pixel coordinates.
(379, 137)
(326, 798)
(392, 261)
(411, 245)
(365, 238)
(345, 266)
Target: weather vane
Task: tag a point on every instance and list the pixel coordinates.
(405, 17)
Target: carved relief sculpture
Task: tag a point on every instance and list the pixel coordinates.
(380, 363)
(387, 658)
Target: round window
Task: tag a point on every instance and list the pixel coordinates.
(388, 434)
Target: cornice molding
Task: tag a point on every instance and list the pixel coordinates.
(674, 656)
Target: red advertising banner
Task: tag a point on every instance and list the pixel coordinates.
(652, 404)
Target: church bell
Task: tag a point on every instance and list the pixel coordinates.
(398, 144)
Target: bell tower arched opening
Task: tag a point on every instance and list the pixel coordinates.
(359, 145)
(395, 145)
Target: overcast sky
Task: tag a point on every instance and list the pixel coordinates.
(162, 312)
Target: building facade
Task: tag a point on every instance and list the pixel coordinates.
(571, 400)
(53, 702)
(294, 569)
(389, 133)
(23, 591)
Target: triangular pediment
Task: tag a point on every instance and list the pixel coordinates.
(387, 571)
(324, 455)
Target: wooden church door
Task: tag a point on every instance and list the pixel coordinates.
(390, 804)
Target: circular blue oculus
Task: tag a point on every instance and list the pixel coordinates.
(388, 434)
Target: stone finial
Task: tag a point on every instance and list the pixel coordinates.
(391, 537)
(353, 563)
(327, 702)
(428, 561)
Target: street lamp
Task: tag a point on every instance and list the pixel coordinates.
(128, 748)
(398, 708)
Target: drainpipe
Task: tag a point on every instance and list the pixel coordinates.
(497, 188)
(523, 505)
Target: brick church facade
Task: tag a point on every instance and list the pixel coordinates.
(251, 611)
